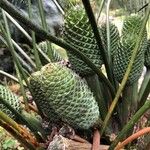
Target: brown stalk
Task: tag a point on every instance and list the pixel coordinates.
(28, 136)
(133, 137)
(17, 135)
(24, 133)
(79, 139)
(96, 140)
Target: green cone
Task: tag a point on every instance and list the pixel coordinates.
(44, 47)
(78, 33)
(147, 55)
(56, 57)
(114, 37)
(130, 33)
(40, 99)
(11, 99)
(67, 94)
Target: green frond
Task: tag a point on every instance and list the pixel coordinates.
(147, 55)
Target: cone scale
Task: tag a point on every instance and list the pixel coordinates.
(130, 32)
(78, 33)
(11, 99)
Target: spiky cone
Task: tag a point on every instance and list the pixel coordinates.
(67, 94)
(114, 37)
(130, 32)
(11, 99)
(147, 55)
(78, 33)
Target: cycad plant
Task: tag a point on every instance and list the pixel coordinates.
(76, 96)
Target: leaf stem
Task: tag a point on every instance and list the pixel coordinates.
(9, 76)
(45, 27)
(133, 137)
(130, 124)
(104, 53)
(142, 96)
(36, 54)
(14, 133)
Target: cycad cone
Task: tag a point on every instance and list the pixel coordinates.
(67, 94)
(130, 33)
(55, 55)
(11, 99)
(114, 37)
(147, 55)
(78, 33)
(39, 97)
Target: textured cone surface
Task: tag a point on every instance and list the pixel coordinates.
(114, 37)
(78, 33)
(147, 55)
(11, 99)
(130, 32)
(40, 99)
(55, 55)
(68, 95)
